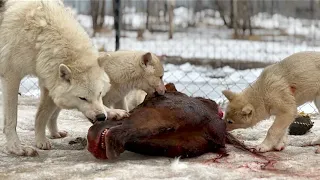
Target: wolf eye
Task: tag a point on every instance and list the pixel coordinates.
(229, 121)
(83, 99)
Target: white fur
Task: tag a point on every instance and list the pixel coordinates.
(134, 98)
(128, 72)
(41, 38)
(278, 91)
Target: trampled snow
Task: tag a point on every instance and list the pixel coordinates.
(66, 161)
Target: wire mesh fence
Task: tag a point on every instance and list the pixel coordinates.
(215, 44)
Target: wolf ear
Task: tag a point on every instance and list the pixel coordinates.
(247, 110)
(65, 72)
(228, 94)
(102, 59)
(146, 59)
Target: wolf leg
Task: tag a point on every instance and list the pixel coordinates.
(53, 127)
(122, 104)
(276, 135)
(283, 142)
(116, 114)
(10, 88)
(45, 111)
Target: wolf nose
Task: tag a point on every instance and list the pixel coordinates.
(100, 117)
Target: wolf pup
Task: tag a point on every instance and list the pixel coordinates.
(132, 70)
(134, 98)
(278, 91)
(41, 38)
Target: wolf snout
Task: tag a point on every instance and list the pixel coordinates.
(101, 117)
(161, 90)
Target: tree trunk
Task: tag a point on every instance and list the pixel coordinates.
(250, 13)
(171, 4)
(148, 14)
(231, 13)
(94, 15)
(222, 15)
(235, 13)
(117, 21)
(102, 13)
(97, 15)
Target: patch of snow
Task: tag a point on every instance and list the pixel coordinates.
(290, 25)
(65, 162)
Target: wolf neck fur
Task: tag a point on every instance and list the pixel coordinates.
(58, 42)
(123, 70)
(253, 96)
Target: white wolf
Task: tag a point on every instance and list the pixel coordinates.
(134, 98)
(136, 71)
(278, 91)
(41, 38)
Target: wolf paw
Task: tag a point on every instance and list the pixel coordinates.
(43, 144)
(60, 134)
(263, 147)
(117, 114)
(282, 144)
(17, 149)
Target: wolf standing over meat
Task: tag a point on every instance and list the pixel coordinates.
(43, 39)
(278, 91)
(132, 74)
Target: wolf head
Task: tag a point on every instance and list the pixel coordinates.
(82, 87)
(152, 74)
(239, 113)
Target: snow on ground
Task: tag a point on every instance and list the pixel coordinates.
(71, 162)
(290, 25)
(206, 46)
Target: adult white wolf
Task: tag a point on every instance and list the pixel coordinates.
(41, 38)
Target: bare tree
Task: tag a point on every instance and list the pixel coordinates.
(237, 16)
(117, 21)
(246, 10)
(222, 10)
(198, 6)
(148, 14)
(97, 15)
(171, 5)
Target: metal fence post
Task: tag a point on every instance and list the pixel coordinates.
(117, 21)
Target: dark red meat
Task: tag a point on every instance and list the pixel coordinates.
(170, 125)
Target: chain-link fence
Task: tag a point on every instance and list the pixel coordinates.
(215, 44)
